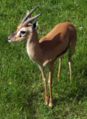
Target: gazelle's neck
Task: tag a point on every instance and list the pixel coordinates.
(33, 48)
(33, 37)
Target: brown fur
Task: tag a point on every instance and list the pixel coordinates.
(56, 42)
(45, 51)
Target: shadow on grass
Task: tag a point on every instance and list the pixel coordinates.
(76, 91)
(67, 102)
(31, 105)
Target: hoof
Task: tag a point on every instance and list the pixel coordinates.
(46, 103)
(50, 105)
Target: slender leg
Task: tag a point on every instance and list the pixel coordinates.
(70, 69)
(70, 62)
(45, 85)
(50, 84)
(59, 68)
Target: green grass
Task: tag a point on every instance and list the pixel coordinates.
(21, 89)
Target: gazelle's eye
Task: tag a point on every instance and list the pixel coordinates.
(23, 32)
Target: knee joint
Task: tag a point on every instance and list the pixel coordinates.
(44, 79)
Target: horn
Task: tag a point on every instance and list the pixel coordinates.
(28, 14)
(33, 10)
(31, 20)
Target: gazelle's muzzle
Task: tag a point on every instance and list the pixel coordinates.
(11, 38)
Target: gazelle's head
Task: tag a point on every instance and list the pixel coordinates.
(25, 28)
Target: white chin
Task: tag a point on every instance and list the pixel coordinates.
(9, 41)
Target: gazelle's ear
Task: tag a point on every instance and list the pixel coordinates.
(35, 24)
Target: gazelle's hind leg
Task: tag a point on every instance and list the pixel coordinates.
(70, 54)
(59, 68)
(72, 46)
(70, 68)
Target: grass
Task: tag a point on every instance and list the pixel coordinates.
(21, 89)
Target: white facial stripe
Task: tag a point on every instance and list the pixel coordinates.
(22, 29)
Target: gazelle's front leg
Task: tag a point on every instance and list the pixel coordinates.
(59, 68)
(50, 83)
(45, 85)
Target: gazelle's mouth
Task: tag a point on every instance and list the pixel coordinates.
(9, 41)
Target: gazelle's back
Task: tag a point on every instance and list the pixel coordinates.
(62, 29)
(58, 39)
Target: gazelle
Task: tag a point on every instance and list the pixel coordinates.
(44, 52)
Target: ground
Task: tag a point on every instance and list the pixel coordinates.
(21, 87)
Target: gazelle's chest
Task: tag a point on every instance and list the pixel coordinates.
(34, 52)
(30, 52)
